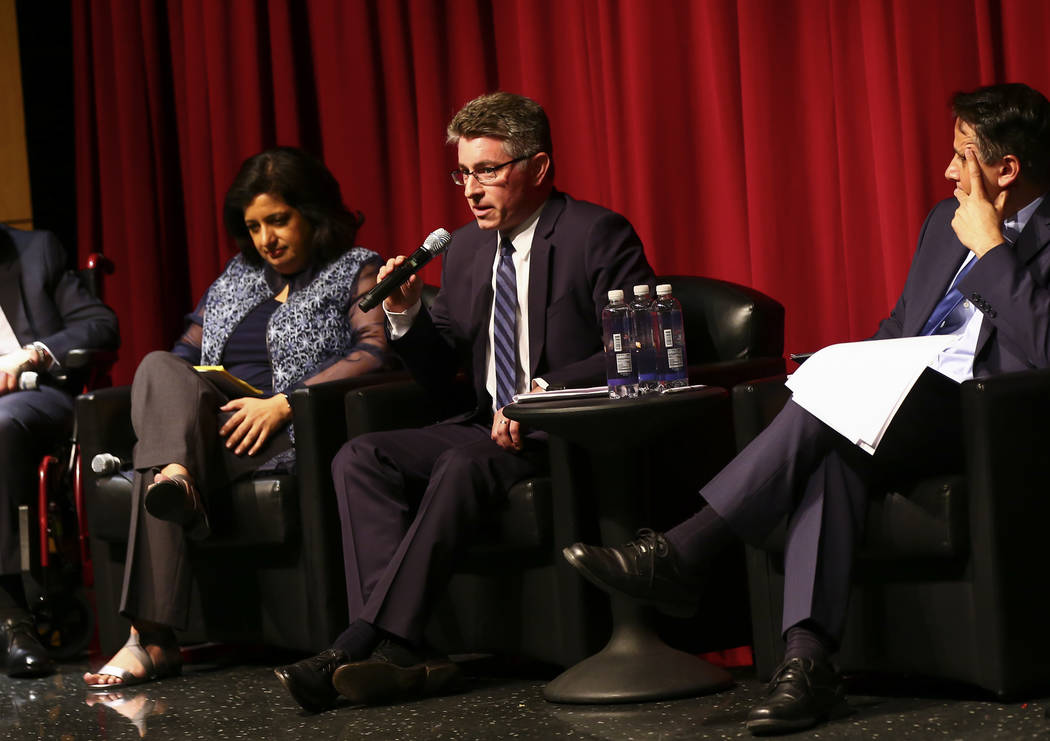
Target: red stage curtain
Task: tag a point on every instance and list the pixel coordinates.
(792, 145)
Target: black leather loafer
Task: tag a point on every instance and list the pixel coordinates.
(394, 673)
(645, 569)
(309, 681)
(801, 694)
(21, 651)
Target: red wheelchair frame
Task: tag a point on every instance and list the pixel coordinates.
(59, 579)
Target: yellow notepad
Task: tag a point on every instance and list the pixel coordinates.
(228, 383)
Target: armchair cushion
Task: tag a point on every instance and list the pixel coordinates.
(727, 321)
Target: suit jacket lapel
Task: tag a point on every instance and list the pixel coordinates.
(481, 282)
(1036, 234)
(539, 277)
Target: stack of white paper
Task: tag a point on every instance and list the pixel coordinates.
(856, 387)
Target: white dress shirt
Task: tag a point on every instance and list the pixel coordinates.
(8, 341)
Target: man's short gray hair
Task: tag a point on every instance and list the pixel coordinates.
(519, 122)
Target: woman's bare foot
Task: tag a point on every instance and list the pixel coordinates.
(166, 658)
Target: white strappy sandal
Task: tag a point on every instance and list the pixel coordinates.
(126, 677)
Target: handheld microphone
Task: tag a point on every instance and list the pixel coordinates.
(434, 245)
(29, 381)
(106, 464)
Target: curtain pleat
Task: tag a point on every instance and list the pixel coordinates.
(791, 145)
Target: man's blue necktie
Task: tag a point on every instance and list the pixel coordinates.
(947, 305)
(953, 297)
(505, 326)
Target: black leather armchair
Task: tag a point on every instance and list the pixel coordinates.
(273, 571)
(513, 593)
(950, 577)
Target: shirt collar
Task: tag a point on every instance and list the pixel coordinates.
(1018, 221)
(521, 235)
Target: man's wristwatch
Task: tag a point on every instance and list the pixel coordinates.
(44, 359)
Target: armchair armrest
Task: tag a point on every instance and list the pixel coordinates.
(320, 425)
(84, 357)
(389, 406)
(728, 373)
(103, 420)
(755, 404)
(1007, 438)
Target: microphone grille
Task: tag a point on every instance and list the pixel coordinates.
(29, 381)
(437, 241)
(105, 463)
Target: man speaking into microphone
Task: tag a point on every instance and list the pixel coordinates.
(519, 308)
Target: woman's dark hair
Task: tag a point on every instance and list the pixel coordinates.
(304, 183)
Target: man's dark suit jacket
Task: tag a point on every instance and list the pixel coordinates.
(1011, 285)
(580, 252)
(42, 302)
(45, 302)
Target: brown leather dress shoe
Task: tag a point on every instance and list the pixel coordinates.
(309, 681)
(645, 569)
(801, 694)
(21, 652)
(394, 673)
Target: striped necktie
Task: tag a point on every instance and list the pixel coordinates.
(505, 326)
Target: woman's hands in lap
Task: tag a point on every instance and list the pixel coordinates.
(253, 421)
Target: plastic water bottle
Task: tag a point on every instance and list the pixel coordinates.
(671, 359)
(643, 332)
(619, 348)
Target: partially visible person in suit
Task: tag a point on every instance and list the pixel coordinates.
(519, 308)
(282, 315)
(981, 273)
(45, 311)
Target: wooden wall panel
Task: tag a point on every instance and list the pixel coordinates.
(15, 206)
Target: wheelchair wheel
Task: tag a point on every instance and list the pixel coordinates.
(65, 624)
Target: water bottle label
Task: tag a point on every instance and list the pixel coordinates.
(623, 363)
(674, 358)
(617, 340)
(668, 338)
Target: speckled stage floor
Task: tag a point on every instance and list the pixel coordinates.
(246, 702)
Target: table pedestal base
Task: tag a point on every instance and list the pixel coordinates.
(636, 666)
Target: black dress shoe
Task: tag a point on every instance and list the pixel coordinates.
(310, 681)
(177, 499)
(802, 693)
(20, 649)
(646, 569)
(394, 672)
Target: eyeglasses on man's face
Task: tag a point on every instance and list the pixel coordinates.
(484, 175)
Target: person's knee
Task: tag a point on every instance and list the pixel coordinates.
(362, 460)
(349, 455)
(155, 362)
(13, 433)
(462, 465)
